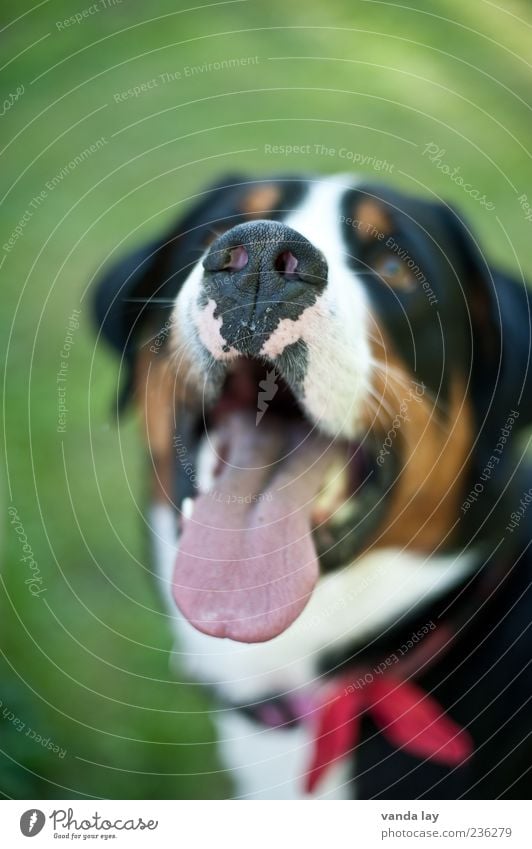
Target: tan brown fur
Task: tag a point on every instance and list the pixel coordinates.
(433, 448)
(163, 384)
(371, 219)
(261, 200)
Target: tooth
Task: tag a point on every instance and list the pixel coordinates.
(333, 489)
(207, 461)
(187, 508)
(348, 510)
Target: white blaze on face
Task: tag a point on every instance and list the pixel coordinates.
(185, 330)
(335, 328)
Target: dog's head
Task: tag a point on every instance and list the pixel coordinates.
(321, 364)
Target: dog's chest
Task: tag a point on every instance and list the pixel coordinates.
(347, 606)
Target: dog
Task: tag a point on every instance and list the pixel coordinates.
(332, 380)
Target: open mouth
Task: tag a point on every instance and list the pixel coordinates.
(281, 499)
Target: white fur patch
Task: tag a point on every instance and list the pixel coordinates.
(289, 330)
(271, 763)
(209, 332)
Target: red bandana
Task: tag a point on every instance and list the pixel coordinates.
(406, 715)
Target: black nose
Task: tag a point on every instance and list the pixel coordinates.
(266, 254)
(259, 273)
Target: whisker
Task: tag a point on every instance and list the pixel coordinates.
(394, 375)
(149, 300)
(380, 400)
(376, 340)
(389, 377)
(375, 410)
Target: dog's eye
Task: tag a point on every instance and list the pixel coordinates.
(395, 271)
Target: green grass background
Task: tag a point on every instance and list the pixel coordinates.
(86, 664)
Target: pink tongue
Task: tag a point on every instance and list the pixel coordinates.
(247, 563)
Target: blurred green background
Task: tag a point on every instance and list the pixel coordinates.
(85, 663)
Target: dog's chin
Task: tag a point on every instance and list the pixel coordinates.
(280, 500)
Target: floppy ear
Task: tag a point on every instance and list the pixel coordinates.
(501, 317)
(143, 283)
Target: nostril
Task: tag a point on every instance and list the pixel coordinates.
(286, 263)
(237, 258)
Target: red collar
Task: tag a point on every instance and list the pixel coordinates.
(407, 716)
